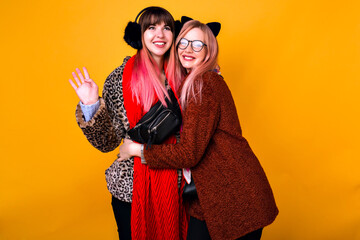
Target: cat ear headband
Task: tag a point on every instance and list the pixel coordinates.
(214, 26)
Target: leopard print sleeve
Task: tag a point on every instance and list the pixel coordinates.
(109, 125)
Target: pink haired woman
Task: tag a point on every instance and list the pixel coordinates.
(234, 199)
(150, 198)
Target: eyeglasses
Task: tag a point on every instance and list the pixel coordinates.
(196, 45)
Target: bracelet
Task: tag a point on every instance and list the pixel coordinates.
(143, 161)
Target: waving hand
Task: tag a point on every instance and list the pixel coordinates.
(85, 88)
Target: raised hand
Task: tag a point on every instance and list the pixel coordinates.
(86, 88)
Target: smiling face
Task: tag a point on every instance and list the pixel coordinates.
(188, 57)
(158, 39)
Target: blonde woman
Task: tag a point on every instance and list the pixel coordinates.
(234, 199)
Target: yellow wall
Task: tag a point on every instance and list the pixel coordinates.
(293, 67)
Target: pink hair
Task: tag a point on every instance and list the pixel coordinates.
(145, 80)
(209, 63)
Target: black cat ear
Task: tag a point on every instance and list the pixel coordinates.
(180, 24)
(185, 19)
(178, 27)
(214, 27)
(132, 35)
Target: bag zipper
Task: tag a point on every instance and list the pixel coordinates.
(155, 127)
(148, 118)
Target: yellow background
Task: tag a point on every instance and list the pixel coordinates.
(294, 71)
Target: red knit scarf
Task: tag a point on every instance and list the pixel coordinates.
(157, 211)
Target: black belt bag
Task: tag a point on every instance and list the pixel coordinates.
(159, 123)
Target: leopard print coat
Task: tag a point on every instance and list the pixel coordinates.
(105, 131)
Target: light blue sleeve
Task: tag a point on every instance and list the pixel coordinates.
(89, 110)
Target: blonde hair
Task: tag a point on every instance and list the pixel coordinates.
(209, 62)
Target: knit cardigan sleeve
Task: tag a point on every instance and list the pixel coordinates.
(200, 120)
(104, 131)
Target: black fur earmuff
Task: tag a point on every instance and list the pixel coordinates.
(132, 34)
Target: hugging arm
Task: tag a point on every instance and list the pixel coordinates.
(199, 123)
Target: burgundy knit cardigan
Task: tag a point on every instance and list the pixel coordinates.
(235, 197)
